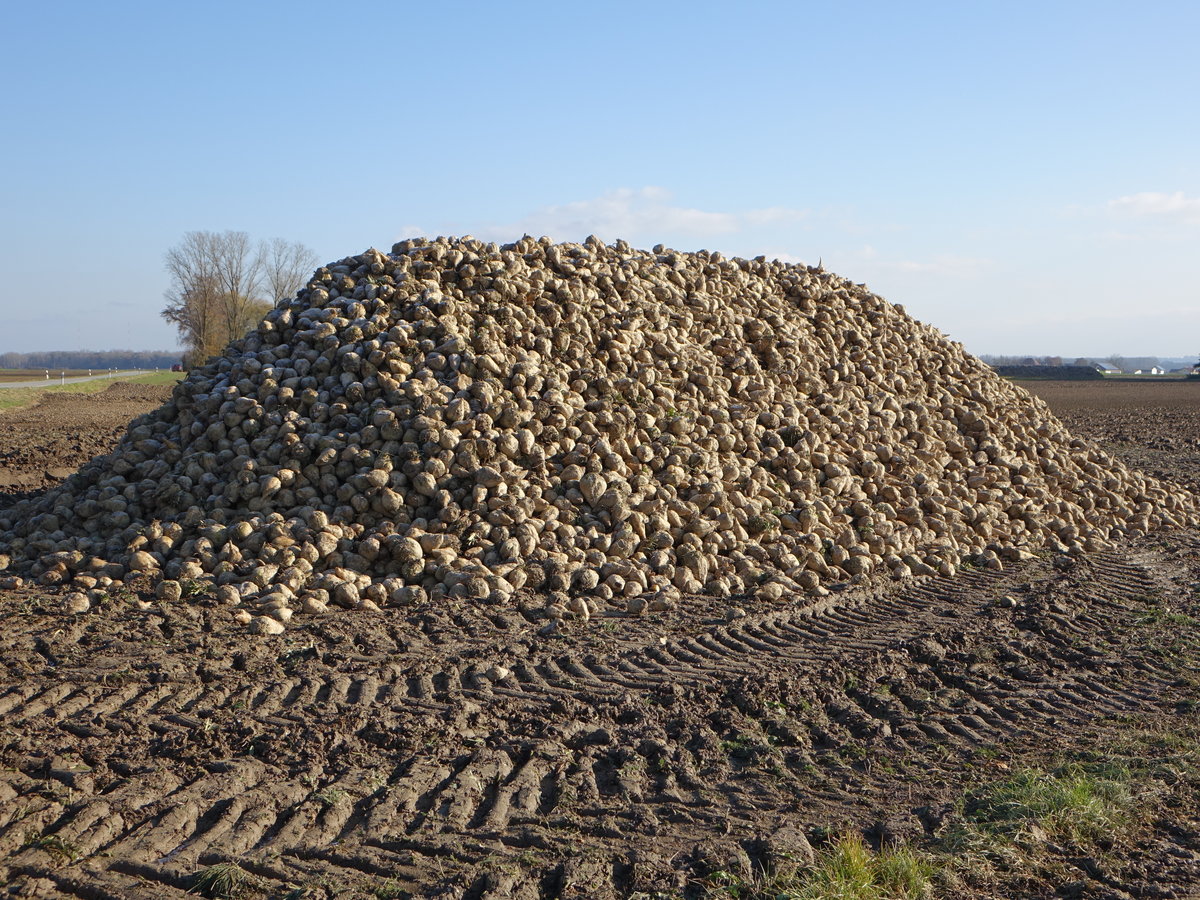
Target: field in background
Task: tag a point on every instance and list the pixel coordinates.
(1143, 378)
(20, 398)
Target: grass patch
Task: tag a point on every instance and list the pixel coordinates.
(1077, 803)
(845, 869)
(849, 870)
(1161, 615)
(221, 882)
(330, 796)
(18, 398)
(63, 851)
(1025, 822)
(193, 588)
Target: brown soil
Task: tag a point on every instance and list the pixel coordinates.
(43, 444)
(381, 755)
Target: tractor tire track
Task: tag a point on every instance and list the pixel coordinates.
(481, 787)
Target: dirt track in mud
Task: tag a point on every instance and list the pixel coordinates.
(452, 751)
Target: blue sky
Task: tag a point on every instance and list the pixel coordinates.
(1024, 176)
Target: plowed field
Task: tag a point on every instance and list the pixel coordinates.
(454, 751)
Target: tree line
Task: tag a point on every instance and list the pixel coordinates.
(992, 360)
(90, 359)
(222, 284)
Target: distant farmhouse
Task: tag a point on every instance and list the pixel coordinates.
(1084, 367)
(1142, 365)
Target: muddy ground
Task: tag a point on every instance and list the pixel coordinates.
(40, 445)
(455, 752)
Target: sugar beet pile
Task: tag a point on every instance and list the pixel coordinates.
(604, 425)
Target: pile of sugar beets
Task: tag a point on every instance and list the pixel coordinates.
(605, 426)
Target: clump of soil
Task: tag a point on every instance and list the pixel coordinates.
(613, 426)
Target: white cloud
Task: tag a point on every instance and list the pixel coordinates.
(1175, 205)
(407, 231)
(638, 215)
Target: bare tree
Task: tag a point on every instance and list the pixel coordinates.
(194, 303)
(198, 315)
(218, 281)
(238, 268)
(286, 267)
